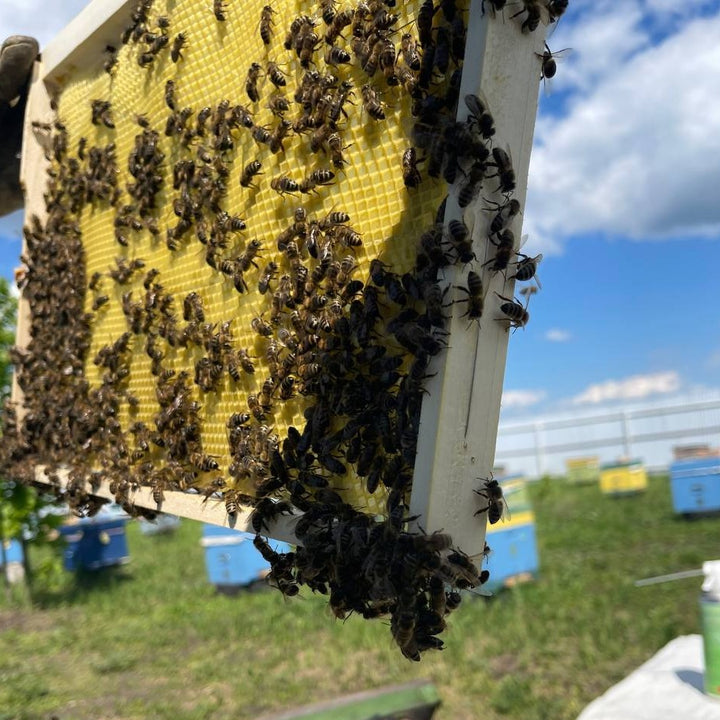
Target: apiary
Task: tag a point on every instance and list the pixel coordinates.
(582, 471)
(512, 541)
(624, 478)
(695, 485)
(261, 227)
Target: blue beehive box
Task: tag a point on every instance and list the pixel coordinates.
(695, 485)
(94, 543)
(512, 540)
(13, 552)
(231, 559)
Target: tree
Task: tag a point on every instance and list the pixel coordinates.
(8, 313)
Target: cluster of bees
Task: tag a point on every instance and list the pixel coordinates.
(356, 352)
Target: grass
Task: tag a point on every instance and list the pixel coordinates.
(153, 639)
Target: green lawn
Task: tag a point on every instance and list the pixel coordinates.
(152, 639)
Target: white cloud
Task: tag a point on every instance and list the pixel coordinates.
(631, 388)
(557, 335)
(521, 398)
(636, 155)
(42, 19)
(600, 43)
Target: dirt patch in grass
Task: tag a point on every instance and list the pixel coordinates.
(504, 664)
(26, 621)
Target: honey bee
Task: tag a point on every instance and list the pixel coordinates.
(295, 33)
(277, 136)
(261, 134)
(535, 12)
(193, 308)
(492, 492)
(266, 24)
(267, 275)
(240, 116)
(461, 241)
(310, 42)
(245, 362)
(328, 11)
(177, 46)
(336, 56)
(277, 76)
(505, 171)
(261, 327)
(111, 60)
(99, 301)
(496, 5)
(247, 257)
(219, 10)
(505, 213)
(411, 175)
(556, 8)
(170, 94)
(480, 116)
(424, 22)
(287, 388)
(338, 24)
(159, 43)
(284, 184)
(278, 105)
(367, 51)
(251, 81)
(255, 408)
(102, 113)
(515, 314)
(249, 172)
(469, 189)
(442, 49)
(526, 269)
(321, 177)
(475, 300)
(548, 65)
(408, 49)
(94, 280)
(372, 103)
(336, 147)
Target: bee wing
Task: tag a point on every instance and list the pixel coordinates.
(523, 240)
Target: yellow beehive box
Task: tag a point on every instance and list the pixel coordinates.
(583, 470)
(623, 478)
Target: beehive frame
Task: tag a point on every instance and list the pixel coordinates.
(459, 415)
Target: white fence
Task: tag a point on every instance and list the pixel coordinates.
(649, 433)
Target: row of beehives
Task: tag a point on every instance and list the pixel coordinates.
(694, 479)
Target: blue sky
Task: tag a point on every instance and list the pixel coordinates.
(623, 202)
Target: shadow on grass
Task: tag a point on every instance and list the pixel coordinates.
(78, 586)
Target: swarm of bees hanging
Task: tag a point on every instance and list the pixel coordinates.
(341, 347)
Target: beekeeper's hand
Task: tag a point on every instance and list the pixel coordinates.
(17, 55)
